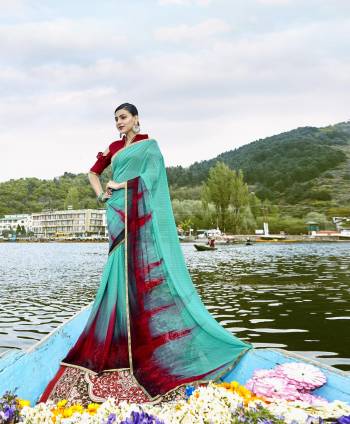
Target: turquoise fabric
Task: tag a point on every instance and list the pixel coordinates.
(147, 315)
(217, 345)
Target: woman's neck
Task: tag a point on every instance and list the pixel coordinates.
(129, 137)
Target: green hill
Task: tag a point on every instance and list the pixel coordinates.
(306, 169)
(306, 165)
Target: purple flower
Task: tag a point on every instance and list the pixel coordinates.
(141, 418)
(111, 419)
(8, 412)
(345, 419)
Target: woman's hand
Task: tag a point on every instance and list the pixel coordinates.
(113, 185)
(104, 196)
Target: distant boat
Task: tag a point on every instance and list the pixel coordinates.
(202, 247)
(272, 237)
(28, 372)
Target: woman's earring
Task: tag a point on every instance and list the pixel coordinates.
(136, 128)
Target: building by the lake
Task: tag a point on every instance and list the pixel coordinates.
(69, 223)
(11, 222)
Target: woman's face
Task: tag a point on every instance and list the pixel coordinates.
(125, 120)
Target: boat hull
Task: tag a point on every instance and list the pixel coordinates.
(29, 372)
(202, 247)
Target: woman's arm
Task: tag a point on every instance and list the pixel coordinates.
(95, 182)
(94, 175)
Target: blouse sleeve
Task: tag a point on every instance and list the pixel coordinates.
(102, 162)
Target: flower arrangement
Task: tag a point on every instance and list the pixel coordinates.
(290, 381)
(229, 403)
(213, 403)
(10, 407)
(140, 418)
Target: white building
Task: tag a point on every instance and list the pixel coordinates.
(68, 223)
(341, 222)
(10, 222)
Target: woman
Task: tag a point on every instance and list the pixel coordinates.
(147, 324)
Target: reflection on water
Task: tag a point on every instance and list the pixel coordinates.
(272, 295)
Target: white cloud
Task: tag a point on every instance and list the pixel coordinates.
(60, 40)
(185, 2)
(195, 33)
(13, 7)
(275, 2)
(62, 79)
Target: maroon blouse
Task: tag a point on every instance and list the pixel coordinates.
(104, 160)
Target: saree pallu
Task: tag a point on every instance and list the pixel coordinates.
(147, 316)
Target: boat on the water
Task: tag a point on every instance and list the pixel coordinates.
(202, 247)
(29, 371)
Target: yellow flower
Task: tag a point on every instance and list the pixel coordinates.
(235, 387)
(22, 403)
(56, 411)
(67, 412)
(92, 408)
(62, 403)
(77, 408)
(225, 385)
(242, 391)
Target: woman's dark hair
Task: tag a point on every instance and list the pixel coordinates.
(129, 107)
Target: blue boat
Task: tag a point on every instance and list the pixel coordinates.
(28, 372)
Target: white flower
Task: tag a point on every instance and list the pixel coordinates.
(210, 404)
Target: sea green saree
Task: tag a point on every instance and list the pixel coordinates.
(147, 315)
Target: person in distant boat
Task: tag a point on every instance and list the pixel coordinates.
(148, 332)
(211, 242)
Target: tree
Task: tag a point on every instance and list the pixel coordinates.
(218, 190)
(72, 198)
(186, 225)
(229, 193)
(319, 218)
(239, 201)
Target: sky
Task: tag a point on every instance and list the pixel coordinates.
(207, 76)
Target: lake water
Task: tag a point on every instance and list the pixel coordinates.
(293, 296)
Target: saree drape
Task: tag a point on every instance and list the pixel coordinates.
(147, 315)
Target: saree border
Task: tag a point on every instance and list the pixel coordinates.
(126, 277)
(116, 246)
(157, 398)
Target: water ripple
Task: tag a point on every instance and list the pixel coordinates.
(273, 295)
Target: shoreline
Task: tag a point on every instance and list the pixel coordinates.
(230, 240)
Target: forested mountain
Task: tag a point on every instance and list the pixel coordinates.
(27, 195)
(307, 165)
(285, 166)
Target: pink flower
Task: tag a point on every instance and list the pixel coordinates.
(272, 388)
(264, 373)
(305, 377)
(312, 399)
